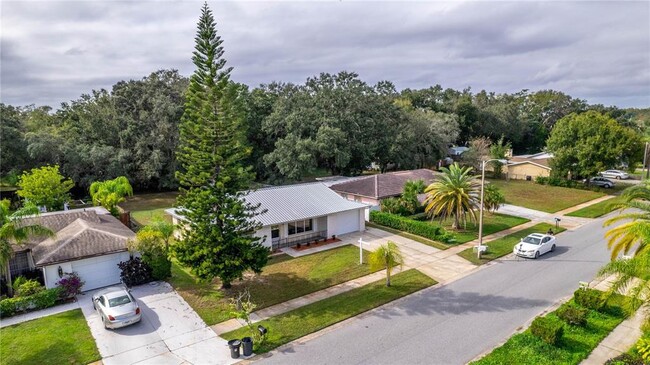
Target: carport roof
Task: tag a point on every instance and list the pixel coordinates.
(293, 202)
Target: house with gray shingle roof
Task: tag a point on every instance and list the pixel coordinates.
(89, 241)
(300, 213)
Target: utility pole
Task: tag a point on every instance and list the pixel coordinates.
(645, 162)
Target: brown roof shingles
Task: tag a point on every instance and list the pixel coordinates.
(78, 235)
(384, 185)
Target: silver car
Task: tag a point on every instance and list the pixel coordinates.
(615, 174)
(601, 181)
(116, 307)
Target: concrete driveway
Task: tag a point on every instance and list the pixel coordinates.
(170, 332)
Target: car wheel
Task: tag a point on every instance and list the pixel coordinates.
(536, 254)
(552, 248)
(618, 177)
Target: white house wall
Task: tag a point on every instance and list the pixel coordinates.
(265, 231)
(96, 271)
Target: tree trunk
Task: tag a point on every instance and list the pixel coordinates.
(456, 222)
(226, 285)
(387, 276)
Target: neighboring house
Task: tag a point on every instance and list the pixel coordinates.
(373, 189)
(89, 241)
(300, 213)
(456, 152)
(528, 167)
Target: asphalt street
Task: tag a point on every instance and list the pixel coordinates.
(455, 323)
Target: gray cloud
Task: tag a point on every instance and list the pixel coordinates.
(54, 51)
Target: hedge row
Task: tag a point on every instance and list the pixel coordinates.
(424, 229)
(43, 299)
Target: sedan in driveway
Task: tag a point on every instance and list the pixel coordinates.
(615, 174)
(600, 181)
(534, 245)
(116, 307)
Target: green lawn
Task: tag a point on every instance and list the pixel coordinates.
(543, 197)
(313, 317)
(282, 279)
(575, 345)
(144, 207)
(503, 246)
(598, 209)
(492, 223)
(414, 237)
(62, 338)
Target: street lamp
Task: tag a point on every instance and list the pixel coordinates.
(480, 219)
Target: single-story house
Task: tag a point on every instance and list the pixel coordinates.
(89, 241)
(300, 213)
(528, 167)
(373, 189)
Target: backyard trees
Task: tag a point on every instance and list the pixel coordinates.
(110, 193)
(587, 143)
(455, 194)
(152, 241)
(493, 198)
(409, 198)
(386, 256)
(499, 151)
(45, 186)
(216, 239)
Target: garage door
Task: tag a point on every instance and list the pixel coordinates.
(99, 271)
(344, 222)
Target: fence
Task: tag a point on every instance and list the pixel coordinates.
(292, 241)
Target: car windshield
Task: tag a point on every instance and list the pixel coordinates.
(532, 240)
(117, 301)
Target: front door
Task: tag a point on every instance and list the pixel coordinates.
(275, 234)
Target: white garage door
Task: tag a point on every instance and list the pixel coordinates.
(344, 222)
(99, 271)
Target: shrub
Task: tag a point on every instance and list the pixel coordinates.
(573, 315)
(40, 300)
(625, 359)
(70, 285)
(547, 329)
(643, 348)
(542, 180)
(18, 282)
(27, 288)
(134, 272)
(161, 266)
(424, 229)
(590, 298)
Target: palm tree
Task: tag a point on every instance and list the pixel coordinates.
(634, 234)
(110, 193)
(455, 194)
(14, 231)
(386, 256)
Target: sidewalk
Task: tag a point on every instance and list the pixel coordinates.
(586, 204)
(38, 314)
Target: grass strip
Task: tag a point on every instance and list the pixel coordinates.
(503, 246)
(426, 241)
(62, 338)
(299, 322)
(575, 345)
(282, 279)
(492, 223)
(598, 209)
(546, 198)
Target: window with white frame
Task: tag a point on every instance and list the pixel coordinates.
(19, 264)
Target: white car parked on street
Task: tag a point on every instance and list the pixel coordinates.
(615, 174)
(534, 245)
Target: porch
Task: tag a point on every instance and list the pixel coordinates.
(298, 240)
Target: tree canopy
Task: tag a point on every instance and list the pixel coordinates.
(587, 143)
(46, 187)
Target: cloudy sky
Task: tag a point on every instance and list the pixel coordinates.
(54, 51)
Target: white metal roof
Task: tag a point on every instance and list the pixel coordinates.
(294, 202)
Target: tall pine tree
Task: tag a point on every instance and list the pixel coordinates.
(217, 239)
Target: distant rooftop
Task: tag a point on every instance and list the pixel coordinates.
(384, 185)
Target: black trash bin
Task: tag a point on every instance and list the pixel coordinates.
(247, 344)
(234, 348)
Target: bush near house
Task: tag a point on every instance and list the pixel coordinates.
(42, 299)
(424, 229)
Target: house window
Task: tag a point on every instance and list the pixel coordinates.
(275, 232)
(19, 264)
(300, 226)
